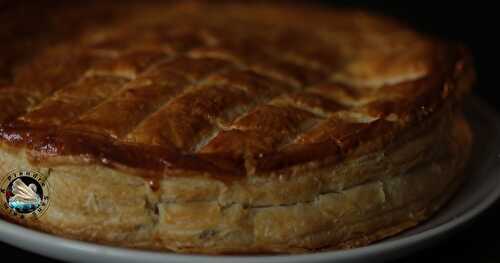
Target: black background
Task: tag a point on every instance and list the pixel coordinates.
(475, 24)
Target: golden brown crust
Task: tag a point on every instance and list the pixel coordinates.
(207, 95)
(219, 128)
(353, 204)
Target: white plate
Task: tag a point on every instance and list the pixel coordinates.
(479, 192)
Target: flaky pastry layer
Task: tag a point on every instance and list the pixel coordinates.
(391, 190)
(231, 127)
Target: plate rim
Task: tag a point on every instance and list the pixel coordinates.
(10, 230)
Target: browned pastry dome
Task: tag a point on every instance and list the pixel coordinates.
(226, 128)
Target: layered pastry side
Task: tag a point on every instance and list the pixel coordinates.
(234, 128)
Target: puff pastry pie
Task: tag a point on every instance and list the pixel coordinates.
(232, 128)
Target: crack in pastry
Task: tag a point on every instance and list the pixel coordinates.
(247, 132)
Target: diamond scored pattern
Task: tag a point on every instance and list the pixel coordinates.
(199, 90)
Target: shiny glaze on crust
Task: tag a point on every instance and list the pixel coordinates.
(47, 142)
(213, 100)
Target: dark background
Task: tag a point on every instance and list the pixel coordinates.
(475, 24)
